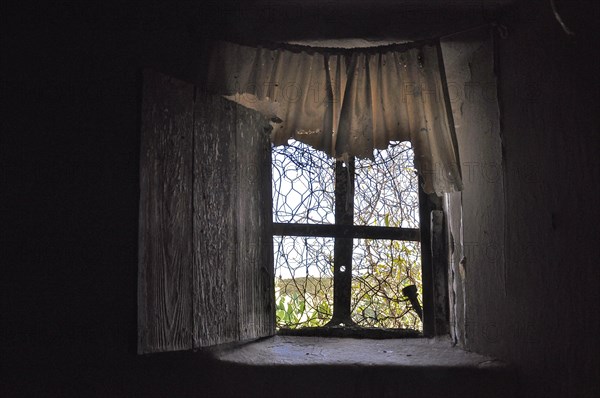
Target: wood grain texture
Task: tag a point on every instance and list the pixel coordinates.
(427, 203)
(254, 222)
(439, 263)
(215, 238)
(165, 247)
(206, 254)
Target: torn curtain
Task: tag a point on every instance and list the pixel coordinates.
(348, 102)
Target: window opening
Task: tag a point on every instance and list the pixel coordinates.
(346, 239)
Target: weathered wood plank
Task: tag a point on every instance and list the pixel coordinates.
(205, 261)
(439, 261)
(165, 257)
(215, 237)
(427, 203)
(254, 222)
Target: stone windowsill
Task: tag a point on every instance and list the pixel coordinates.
(301, 366)
(300, 350)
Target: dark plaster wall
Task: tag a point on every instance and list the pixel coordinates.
(530, 238)
(70, 176)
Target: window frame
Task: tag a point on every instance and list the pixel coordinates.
(196, 287)
(343, 230)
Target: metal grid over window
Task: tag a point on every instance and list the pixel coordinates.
(346, 239)
(381, 269)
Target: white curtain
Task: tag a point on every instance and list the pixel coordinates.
(348, 102)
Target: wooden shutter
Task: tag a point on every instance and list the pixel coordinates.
(165, 240)
(254, 221)
(205, 247)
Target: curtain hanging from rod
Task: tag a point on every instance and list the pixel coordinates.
(348, 102)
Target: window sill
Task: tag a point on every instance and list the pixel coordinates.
(332, 351)
(300, 366)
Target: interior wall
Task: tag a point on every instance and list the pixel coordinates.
(70, 194)
(475, 215)
(529, 234)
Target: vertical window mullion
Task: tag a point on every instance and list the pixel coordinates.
(344, 215)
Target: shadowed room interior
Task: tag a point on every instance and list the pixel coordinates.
(523, 85)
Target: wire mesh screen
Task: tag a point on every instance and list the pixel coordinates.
(303, 281)
(386, 194)
(380, 269)
(386, 188)
(303, 185)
